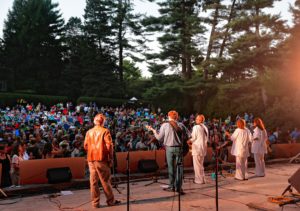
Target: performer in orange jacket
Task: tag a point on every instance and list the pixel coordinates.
(99, 147)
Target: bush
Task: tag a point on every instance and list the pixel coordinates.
(10, 99)
(101, 101)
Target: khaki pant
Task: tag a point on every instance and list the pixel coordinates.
(198, 168)
(241, 170)
(259, 164)
(100, 170)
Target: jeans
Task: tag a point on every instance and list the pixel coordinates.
(175, 167)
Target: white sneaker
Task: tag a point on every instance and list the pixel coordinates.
(18, 186)
(13, 186)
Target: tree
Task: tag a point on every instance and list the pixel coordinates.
(98, 60)
(131, 72)
(256, 36)
(128, 29)
(33, 46)
(72, 74)
(181, 28)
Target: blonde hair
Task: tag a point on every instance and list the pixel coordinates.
(201, 116)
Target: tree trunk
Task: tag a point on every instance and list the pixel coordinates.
(211, 38)
(183, 66)
(120, 39)
(227, 29)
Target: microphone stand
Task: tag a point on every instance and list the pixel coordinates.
(128, 178)
(217, 184)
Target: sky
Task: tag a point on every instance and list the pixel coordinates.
(71, 8)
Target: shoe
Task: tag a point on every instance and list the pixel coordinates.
(199, 183)
(13, 186)
(96, 206)
(181, 192)
(115, 203)
(18, 186)
(169, 189)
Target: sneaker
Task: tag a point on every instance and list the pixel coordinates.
(18, 186)
(13, 186)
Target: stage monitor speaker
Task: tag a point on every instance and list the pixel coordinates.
(294, 180)
(59, 175)
(147, 166)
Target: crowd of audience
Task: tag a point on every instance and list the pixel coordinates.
(29, 131)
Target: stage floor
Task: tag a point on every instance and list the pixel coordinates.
(233, 195)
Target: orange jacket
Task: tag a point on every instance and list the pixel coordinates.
(98, 144)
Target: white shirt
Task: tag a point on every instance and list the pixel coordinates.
(259, 145)
(241, 139)
(199, 140)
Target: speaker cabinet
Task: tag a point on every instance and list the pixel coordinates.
(147, 166)
(59, 175)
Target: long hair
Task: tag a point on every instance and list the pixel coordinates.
(259, 123)
(240, 123)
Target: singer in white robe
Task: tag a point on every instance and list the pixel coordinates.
(240, 149)
(259, 146)
(199, 148)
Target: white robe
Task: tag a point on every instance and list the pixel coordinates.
(199, 140)
(199, 149)
(240, 140)
(259, 146)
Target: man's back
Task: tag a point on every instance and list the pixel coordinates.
(98, 144)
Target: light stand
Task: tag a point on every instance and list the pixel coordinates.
(155, 179)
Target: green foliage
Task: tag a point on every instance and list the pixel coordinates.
(32, 45)
(131, 72)
(10, 99)
(283, 113)
(181, 27)
(102, 101)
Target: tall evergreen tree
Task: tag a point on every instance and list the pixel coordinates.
(181, 28)
(98, 60)
(129, 38)
(256, 37)
(72, 74)
(32, 45)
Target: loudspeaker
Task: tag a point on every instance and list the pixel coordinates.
(294, 180)
(147, 166)
(59, 175)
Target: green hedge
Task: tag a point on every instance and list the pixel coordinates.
(101, 101)
(10, 99)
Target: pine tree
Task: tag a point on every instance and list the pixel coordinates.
(128, 29)
(72, 74)
(98, 61)
(32, 45)
(181, 28)
(256, 36)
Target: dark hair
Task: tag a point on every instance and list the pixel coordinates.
(15, 150)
